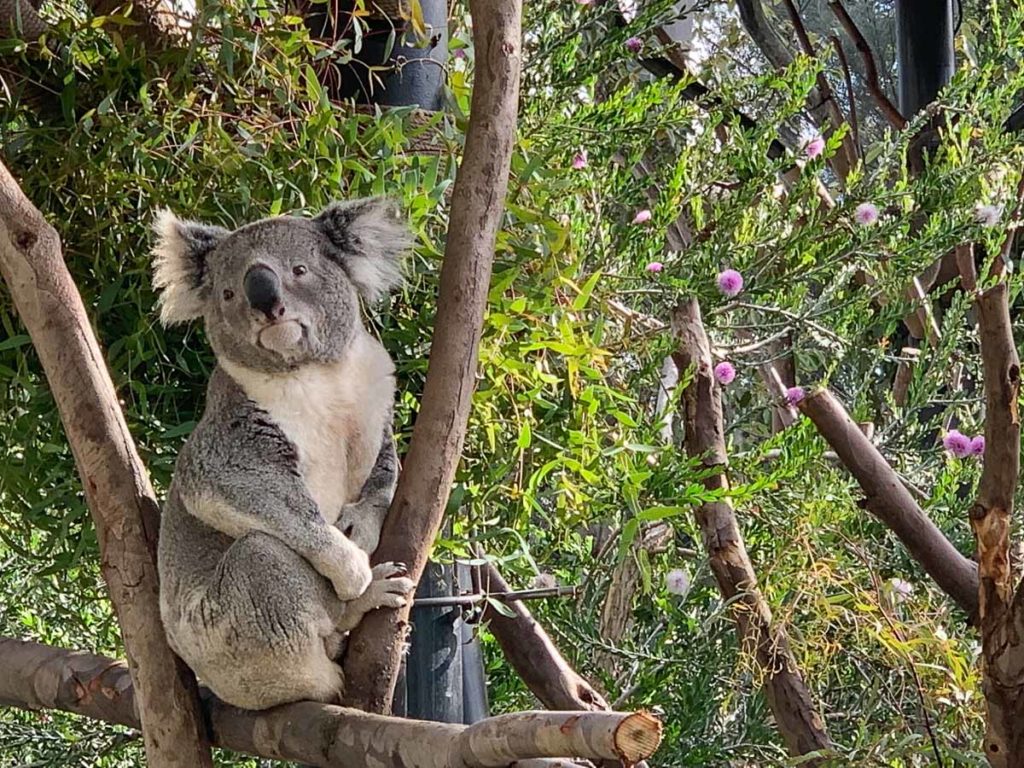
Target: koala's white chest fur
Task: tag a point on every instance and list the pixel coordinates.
(333, 414)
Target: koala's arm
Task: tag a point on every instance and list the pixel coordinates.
(362, 520)
(236, 496)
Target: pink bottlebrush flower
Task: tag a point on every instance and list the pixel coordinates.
(730, 282)
(459, 53)
(957, 443)
(866, 214)
(579, 160)
(988, 215)
(677, 581)
(655, 267)
(978, 445)
(642, 216)
(725, 372)
(813, 146)
(794, 395)
(634, 45)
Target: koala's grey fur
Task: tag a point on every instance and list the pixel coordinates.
(280, 492)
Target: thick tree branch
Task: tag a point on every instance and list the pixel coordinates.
(478, 201)
(35, 676)
(888, 109)
(802, 728)
(888, 499)
(534, 656)
(1001, 617)
(116, 486)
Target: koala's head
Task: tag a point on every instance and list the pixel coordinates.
(284, 291)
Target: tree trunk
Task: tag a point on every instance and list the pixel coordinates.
(478, 202)
(116, 486)
(802, 728)
(1000, 613)
(35, 676)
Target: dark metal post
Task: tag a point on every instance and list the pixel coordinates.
(433, 670)
(393, 66)
(924, 50)
(474, 677)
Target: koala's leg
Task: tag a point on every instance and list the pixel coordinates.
(258, 635)
(361, 521)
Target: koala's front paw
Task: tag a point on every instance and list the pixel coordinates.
(361, 523)
(347, 567)
(390, 588)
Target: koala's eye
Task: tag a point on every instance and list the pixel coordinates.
(299, 270)
(228, 294)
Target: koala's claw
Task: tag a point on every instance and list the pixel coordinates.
(387, 570)
(387, 593)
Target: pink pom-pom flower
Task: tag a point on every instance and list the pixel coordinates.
(677, 581)
(794, 395)
(866, 214)
(655, 267)
(988, 215)
(730, 282)
(813, 146)
(725, 372)
(642, 216)
(634, 45)
(579, 160)
(957, 443)
(978, 445)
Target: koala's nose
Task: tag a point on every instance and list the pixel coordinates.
(262, 289)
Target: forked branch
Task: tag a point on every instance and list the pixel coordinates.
(478, 202)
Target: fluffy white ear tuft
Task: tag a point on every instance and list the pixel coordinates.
(371, 240)
(180, 265)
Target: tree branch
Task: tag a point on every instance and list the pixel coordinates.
(802, 728)
(534, 656)
(20, 19)
(1000, 615)
(114, 480)
(375, 647)
(888, 500)
(35, 676)
(820, 102)
(675, 66)
(888, 109)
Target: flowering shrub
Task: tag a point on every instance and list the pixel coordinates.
(574, 452)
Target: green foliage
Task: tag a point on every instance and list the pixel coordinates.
(565, 463)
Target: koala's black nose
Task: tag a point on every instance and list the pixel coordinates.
(262, 289)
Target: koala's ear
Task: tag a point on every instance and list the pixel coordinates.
(370, 240)
(179, 265)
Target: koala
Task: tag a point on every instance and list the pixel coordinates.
(279, 494)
